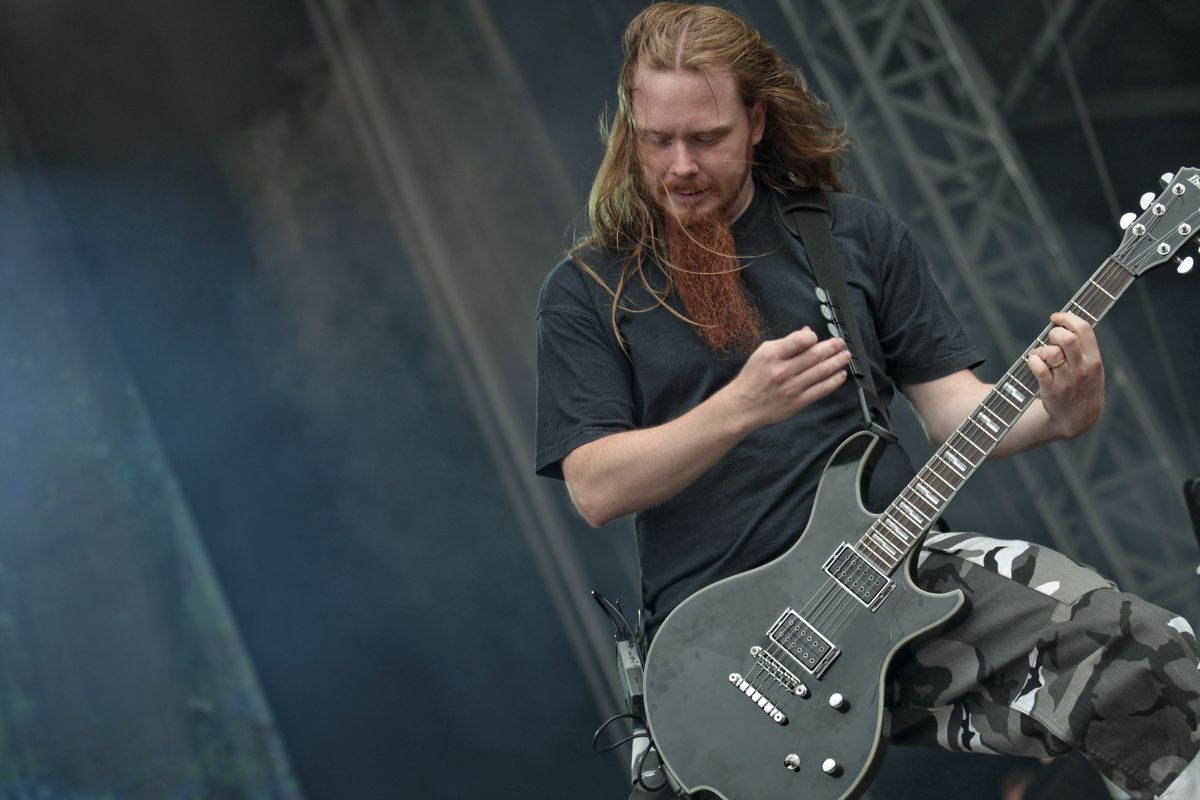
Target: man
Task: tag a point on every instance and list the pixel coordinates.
(681, 380)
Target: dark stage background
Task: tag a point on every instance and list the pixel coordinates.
(268, 527)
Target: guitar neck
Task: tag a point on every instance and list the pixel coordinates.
(903, 524)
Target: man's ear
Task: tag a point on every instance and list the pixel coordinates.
(758, 121)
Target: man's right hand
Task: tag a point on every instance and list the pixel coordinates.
(784, 376)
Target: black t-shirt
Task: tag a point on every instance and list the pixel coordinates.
(755, 502)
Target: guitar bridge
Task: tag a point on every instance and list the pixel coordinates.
(758, 698)
(783, 676)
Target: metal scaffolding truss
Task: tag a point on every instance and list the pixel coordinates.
(450, 131)
(934, 146)
(1072, 20)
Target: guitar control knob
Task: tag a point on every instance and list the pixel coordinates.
(837, 702)
(792, 762)
(831, 768)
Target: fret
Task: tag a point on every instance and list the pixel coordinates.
(1009, 388)
(883, 543)
(935, 474)
(874, 553)
(1013, 392)
(1018, 383)
(1091, 318)
(920, 504)
(1001, 408)
(955, 460)
(884, 531)
(932, 497)
(1088, 301)
(967, 439)
(911, 512)
(902, 532)
(1101, 288)
(986, 423)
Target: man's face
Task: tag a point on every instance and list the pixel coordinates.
(695, 141)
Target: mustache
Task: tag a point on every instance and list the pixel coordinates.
(686, 187)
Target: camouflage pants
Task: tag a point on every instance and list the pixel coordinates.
(1051, 657)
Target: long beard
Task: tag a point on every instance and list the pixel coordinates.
(708, 277)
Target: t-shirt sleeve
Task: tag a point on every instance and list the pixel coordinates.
(584, 379)
(922, 339)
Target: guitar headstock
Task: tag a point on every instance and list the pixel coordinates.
(1170, 221)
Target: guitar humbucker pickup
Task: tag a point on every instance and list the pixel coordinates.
(803, 643)
(859, 577)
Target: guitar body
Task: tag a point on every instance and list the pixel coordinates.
(715, 736)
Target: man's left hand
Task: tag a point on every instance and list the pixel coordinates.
(1071, 375)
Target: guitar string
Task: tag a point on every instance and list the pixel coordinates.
(779, 656)
(849, 612)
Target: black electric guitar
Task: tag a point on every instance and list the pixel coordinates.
(769, 685)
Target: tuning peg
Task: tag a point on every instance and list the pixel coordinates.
(1185, 265)
(1127, 220)
(1166, 179)
(1146, 200)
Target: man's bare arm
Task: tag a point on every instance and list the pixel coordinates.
(1072, 393)
(635, 470)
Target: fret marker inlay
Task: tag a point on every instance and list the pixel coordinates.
(956, 461)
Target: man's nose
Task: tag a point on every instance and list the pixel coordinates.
(683, 165)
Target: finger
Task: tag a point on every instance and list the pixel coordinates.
(783, 372)
(1050, 354)
(1068, 343)
(1040, 369)
(819, 353)
(809, 393)
(794, 343)
(818, 371)
(825, 387)
(1072, 322)
(1077, 325)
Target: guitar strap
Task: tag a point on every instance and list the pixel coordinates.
(807, 216)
